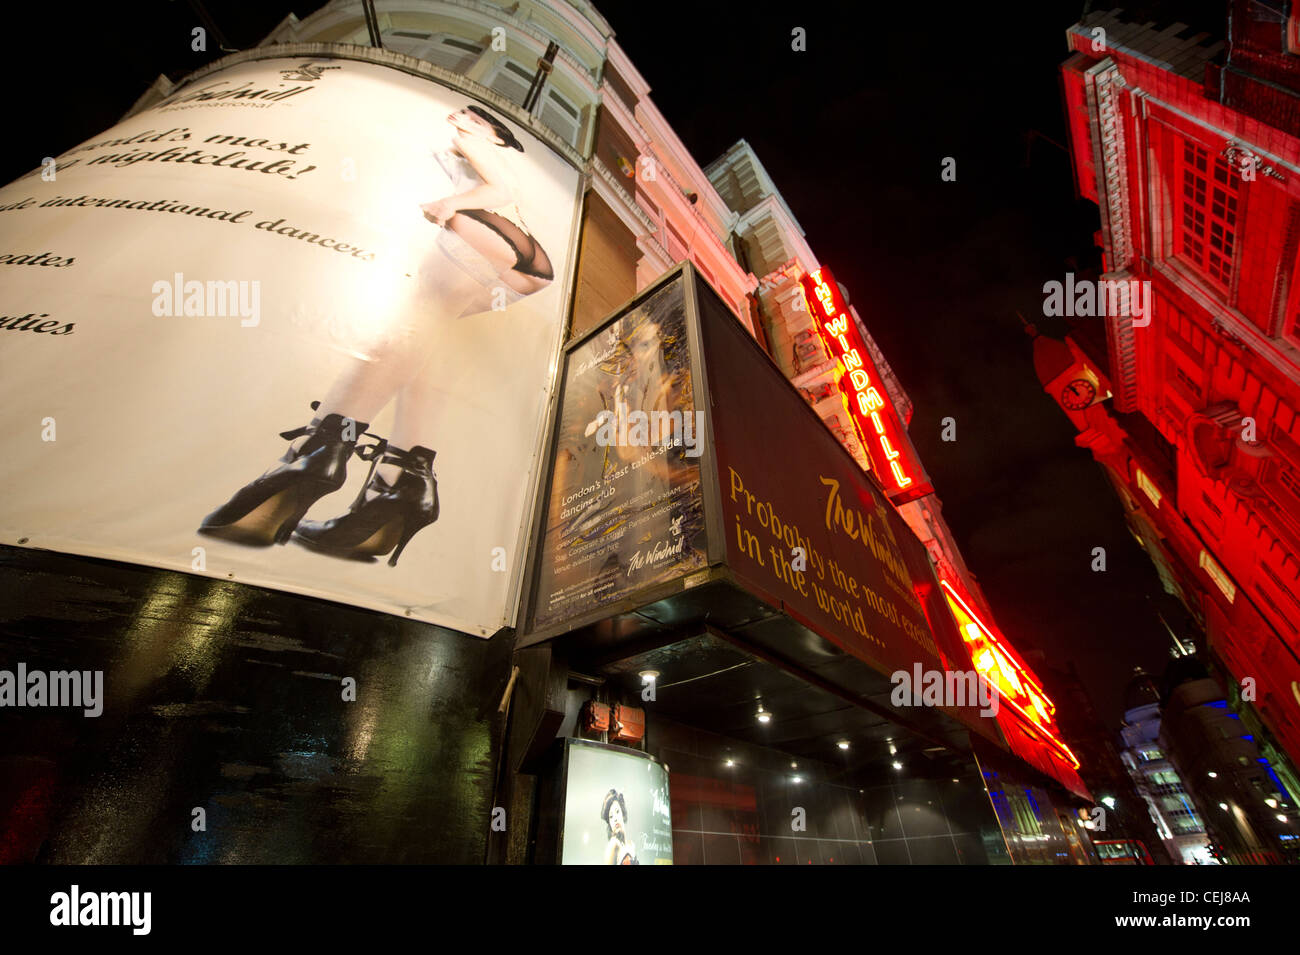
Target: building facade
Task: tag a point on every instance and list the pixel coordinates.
(1248, 812)
(1157, 780)
(1184, 385)
(877, 783)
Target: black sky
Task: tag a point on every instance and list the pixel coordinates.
(853, 131)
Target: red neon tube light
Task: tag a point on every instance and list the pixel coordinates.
(997, 662)
(865, 400)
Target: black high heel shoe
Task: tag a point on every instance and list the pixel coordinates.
(266, 511)
(385, 520)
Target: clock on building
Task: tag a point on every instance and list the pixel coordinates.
(1078, 394)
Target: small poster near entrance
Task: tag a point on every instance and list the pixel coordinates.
(616, 807)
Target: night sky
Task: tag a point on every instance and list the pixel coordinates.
(853, 132)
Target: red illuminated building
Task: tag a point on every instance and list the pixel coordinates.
(1187, 142)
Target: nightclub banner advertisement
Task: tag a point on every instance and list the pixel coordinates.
(806, 527)
(616, 807)
(296, 325)
(624, 511)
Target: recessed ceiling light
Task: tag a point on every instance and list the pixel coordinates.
(793, 764)
(763, 715)
(1213, 775)
(731, 762)
(843, 744)
(897, 764)
(648, 676)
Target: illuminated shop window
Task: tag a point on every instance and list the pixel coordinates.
(1226, 586)
(1206, 235)
(1148, 488)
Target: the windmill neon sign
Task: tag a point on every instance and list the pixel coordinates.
(864, 398)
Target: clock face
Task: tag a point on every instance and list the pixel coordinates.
(1078, 394)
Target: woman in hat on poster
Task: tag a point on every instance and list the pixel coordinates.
(620, 850)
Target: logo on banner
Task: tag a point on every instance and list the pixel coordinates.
(306, 73)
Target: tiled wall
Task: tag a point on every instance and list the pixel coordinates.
(745, 813)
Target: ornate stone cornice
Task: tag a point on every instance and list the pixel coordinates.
(1109, 161)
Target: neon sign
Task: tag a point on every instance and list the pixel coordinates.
(865, 401)
(1018, 687)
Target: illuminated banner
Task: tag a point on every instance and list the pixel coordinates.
(616, 807)
(1028, 717)
(295, 325)
(866, 401)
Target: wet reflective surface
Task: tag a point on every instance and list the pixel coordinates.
(230, 699)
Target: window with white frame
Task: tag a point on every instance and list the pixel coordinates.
(450, 52)
(561, 116)
(512, 81)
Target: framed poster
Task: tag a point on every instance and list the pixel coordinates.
(624, 509)
(616, 807)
